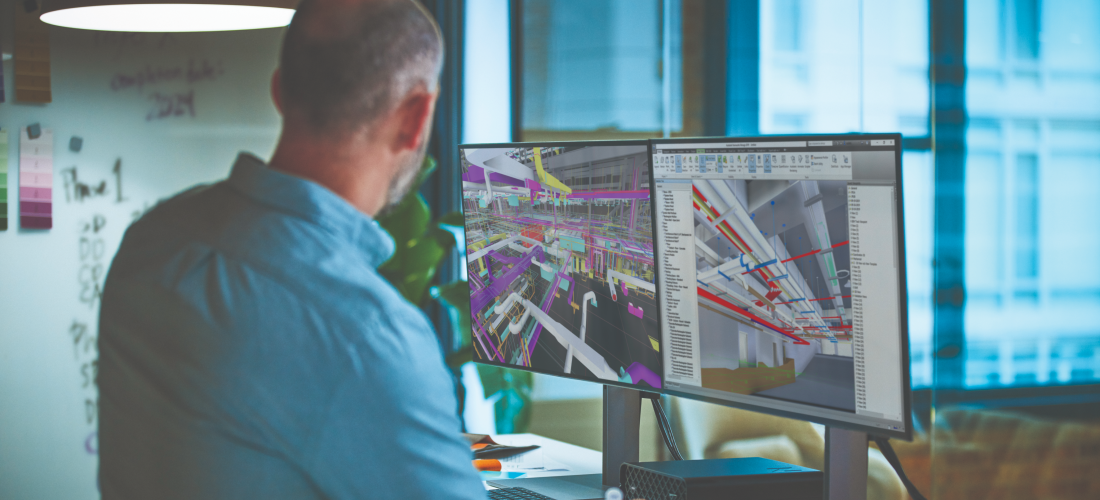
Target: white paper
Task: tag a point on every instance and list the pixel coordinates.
(531, 461)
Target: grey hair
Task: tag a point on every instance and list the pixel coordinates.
(345, 64)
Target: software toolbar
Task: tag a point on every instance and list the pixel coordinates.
(731, 163)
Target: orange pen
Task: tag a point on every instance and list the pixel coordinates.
(487, 464)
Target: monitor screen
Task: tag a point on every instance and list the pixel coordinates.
(764, 273)
(781, 266)
(559, 243)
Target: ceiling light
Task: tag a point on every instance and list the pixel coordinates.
(156, 16)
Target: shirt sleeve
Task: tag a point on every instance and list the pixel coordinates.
(392, 430)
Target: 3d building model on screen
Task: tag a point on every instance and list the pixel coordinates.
(775, 314)
(560, 259)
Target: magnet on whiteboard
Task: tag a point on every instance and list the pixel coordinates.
(76, 143)
(34, 130)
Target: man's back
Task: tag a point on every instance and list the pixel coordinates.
(249, 349)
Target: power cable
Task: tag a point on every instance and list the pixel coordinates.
(666, 429)
(888, 452)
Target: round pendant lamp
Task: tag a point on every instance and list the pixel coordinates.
(168, 16)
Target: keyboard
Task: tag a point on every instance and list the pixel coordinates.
(516, 494)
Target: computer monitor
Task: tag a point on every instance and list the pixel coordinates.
(781, 270)
(765, 273)
(559, 248)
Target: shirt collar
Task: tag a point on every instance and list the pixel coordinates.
(312, 202)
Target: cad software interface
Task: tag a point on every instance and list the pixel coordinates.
(779, 273)
(559, 246)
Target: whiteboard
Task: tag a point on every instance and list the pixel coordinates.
(170, 111)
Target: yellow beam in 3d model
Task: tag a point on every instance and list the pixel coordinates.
(546, 178)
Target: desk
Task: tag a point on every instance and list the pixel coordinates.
(585, 464)
(578, 460)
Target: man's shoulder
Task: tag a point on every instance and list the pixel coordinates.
(221, 219)
(212, 243)
(218, 214)
(215, 225)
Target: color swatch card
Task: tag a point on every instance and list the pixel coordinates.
(3, 179)
(36, 180)
(32, 56)
(2, 96)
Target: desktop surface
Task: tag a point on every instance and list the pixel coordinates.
(575, 459)
(581, 480)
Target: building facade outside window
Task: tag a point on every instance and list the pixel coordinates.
(595, 70)
(860, 66)
(1032, 188)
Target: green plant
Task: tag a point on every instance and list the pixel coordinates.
(421, 245)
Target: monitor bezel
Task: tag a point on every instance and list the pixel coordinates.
(904, 360)
(906, 434)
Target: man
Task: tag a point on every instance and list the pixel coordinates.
(248, 347)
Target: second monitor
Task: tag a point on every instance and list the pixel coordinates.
(781, 266)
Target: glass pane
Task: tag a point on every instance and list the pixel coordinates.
(1033, 189)
(917, 181)
(594, 69)
(846, 65)
(1025, 15)
(830, 67)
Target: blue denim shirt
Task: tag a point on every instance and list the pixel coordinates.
(250, 349)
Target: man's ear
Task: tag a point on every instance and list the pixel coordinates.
(276, 91)
(414, 117)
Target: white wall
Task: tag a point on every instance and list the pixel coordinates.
(719, 346)
(47, 440)
(802, 354)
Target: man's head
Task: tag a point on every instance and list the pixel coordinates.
(361, 77)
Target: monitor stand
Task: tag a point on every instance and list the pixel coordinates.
(845, 464)
(622, 413)
(845, 456)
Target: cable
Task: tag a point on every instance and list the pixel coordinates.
(666, 434)
(888, 452)
(666, 429)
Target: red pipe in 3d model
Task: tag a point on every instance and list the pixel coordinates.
(714, 298)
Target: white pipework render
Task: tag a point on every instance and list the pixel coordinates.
(582, 351)
(485, 251)
(584, 323)
(719, 193)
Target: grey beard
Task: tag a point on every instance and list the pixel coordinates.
(401, 182)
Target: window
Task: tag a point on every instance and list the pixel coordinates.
(836, 67)
(1033, 187)
(1025, 16)
(1027, 223)
(596, 69)
(788, 32)
(829, 67)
